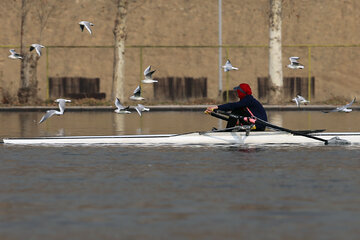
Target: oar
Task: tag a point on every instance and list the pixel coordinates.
(296, 132)
(255, 119)
(214, 114)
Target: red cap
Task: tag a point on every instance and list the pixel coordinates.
(243, 89)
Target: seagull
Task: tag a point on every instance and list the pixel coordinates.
(37, 47)
(137, 94)
(299, 99)
(228, 67)
(141, 108)
(14, 55)
(294, 64)
(87, 25)
(49, 113)
(121, 108)
(148, 75)
(342, 108)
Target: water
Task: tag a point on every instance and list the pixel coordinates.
(285, 192)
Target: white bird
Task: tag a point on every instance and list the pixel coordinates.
(137, 94)
(228, 67)
(141, 108)
(50, 113)
(148, 75)
(342, 108)
(87, 25)
(299, 99)
(14, 55)
(294, 64)
(37, 48)
(120, 108)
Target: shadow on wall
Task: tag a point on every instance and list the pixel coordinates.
(292, 86)
(177, 88)
(75, 87)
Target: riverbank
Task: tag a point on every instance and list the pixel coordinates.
(167, 108)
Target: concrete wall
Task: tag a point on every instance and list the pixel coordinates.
(195, 22)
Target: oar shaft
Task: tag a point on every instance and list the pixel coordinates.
(290, 131)
(260, 121)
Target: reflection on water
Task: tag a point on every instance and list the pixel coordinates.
(25, 124)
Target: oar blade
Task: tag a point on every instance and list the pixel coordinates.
(338, 141)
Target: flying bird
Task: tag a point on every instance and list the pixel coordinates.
(141, 108)
(299, 100)
(37, 48)
(87, 25)
(148, 75)
(228, 67)
(294, 64)
(137, 94)
(120, 108)
(14, 55)
(50, 113)
(342, 108)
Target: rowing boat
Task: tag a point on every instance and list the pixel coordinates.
(196, 138)
(238, 135)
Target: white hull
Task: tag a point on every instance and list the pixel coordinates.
(208, 138)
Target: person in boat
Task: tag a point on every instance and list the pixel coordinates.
(247, 106)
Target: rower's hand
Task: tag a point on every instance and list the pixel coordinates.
(210, 109)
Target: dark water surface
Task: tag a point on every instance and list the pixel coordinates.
(113, 192)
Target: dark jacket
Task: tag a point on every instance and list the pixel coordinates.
(250, 102)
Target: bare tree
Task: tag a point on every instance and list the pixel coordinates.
(27, 92)
(119, 49)
(276, 91)
(45, 9)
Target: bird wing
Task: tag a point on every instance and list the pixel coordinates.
(296, 100)
(118, 104)
(138, 110)
(149, 74)
(141, 107)
(228, 64)
(349, 104)
(38, 50)
(301, 98)
(294, 59)
(87, 25)
(137, 91)
(48, 114)
(12, 51)
(61, 105)
(147, 70)
(342, 108)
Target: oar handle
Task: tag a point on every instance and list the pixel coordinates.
(214, 114)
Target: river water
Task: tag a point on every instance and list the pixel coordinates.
(112, 192)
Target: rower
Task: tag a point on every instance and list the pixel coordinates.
(247, 106)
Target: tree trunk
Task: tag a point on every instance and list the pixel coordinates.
(27, 92)
(119, 49)
(276, 90)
